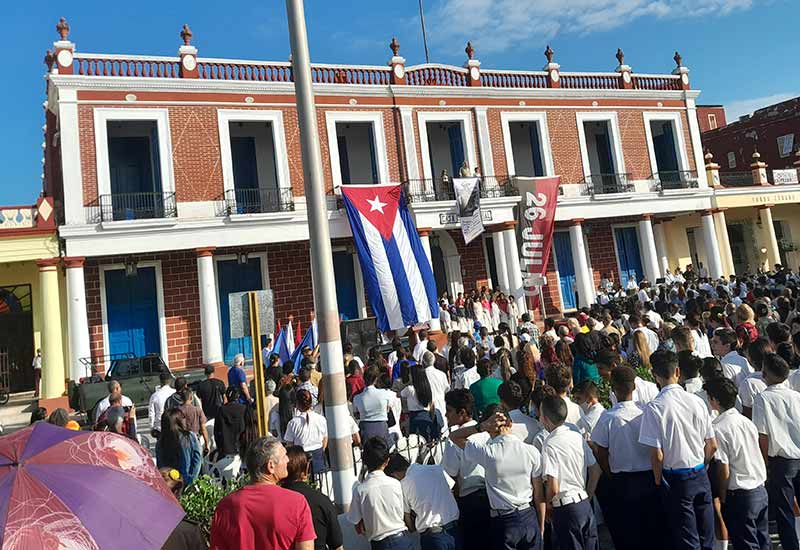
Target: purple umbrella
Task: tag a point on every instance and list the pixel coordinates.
(64, 489)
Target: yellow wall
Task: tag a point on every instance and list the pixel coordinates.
(19, 273)
(678, 250)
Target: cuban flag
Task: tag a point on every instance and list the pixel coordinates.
(397, 273)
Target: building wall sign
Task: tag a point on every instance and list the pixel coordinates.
(741, 201)
(452, 218)
(784, 177)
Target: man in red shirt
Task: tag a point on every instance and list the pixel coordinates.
(262, 515)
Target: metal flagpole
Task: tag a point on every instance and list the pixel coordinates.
(324, 285)
(424, 34)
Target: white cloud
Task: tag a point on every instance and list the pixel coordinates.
(735, 109)
(496, 25)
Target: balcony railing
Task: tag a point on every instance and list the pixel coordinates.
(258, 201)
(736, 179)
(675, 180)
(133, 206)
(608, 184)
(435, 189)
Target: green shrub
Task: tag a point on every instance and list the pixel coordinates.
(200, 499)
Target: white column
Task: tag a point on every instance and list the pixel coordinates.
(209, 307)
(500, 261)
(712, 246)
(53, 377)
(484, 141)
(424, 236)
(725, 253)
(78, 327)
(770, 239)
(584, 280)
(649, 254)
(514, 269)
(661, 247)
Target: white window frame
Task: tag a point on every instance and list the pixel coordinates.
(102, 116)
(616, 143)
(378, 134)
(538, 118)
(275, 118)
(162, 318)
(467, 136)
(712, 121)
(677, 128)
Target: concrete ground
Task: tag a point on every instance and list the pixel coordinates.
(16, 414)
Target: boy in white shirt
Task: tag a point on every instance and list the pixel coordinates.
(741, 470)
(586, 397)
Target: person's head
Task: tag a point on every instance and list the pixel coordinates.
(585, 394)
(745, 314)
(38, 414)
(711, 369)
(431, 346)
(269, 387)
(58, 417)
(304, 400)
(775, 369)
(722, 393)
(563, 353)
(459, 405)
(623, 382)
(559, 377)
(266, 460)
(641, 347)
(173, 479)
(352, 368)
(397, 466)
(232, 393)
(173, 422)
(306, 351)
(115, 400)
(724, 342)
(428, 359)
(585, 346)
(287, 368)
(682, 338)
(165, 378)
(549, 323)
(665, 367)
(114, 388)
(371, 375)
(423, 335)
(689, 365)
(499, 342)
(238, 360)
(757, 350)
(635, 321)
(304, 374)
(375, 454)
(181, 384)
(778, 333)
(511, 395)
(421, 384)
(209, 370)
(297, 468)
(484, 367)
(552, 412)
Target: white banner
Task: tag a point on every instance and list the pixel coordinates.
(785, 177)
(468, 201)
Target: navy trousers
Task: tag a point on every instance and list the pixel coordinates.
(397, 542)
(635, 514)
(574, 527)
(516, 531)
(473, 518)
(746, 517)
(444, 540)
(783, 485)
(688, 505)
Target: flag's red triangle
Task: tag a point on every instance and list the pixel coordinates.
(298, 336)
(377, 203)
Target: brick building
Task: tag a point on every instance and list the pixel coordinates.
(179, 180)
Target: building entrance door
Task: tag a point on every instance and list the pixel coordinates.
(16, 335)
(132, 312)
(235, 277)
(346, 296)
(628, 255)
(562, 245)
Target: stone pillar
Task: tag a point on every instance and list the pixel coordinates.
(425, 237)
(759, 170)
(649, 253)
(712, 171)
(625, 78)
(514, 268)
(188, 55)
(681, 71)
(210, 334)
(725, 254)
(500, 260)
(770, 240)
(78, 327)
(63, 50)
(52, 346)
(473, 67)
(662, 251)
(397, 63)
(584, 279)
(552, 69)
(712, 246)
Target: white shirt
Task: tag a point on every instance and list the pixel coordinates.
(618, 431)
(589, 419)
(427, 491)
(155, 407)
(566, 457)
(378, 500)
(470, 377)
(412, 403)
(372, 404)
(574, 412)
(737, 446)
(643, 392)
(693, 385)
(652, 339)
(750, 387)
(470, 475)
(126, 402)
(654, 318)
(736, 367)
(439, 387)
(794, 380)
(509, 465)
(643, 295)
(702, 347)
(678, 423)
(524, 427)
(419, 349)
(37, 362)
(775, 414)
(308, 429)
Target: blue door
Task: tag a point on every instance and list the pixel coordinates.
(235, 277)
(346, 295)
(132, 311)
(566, 269)
(630, 260)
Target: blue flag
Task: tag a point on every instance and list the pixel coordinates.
(279, 348)
(297, 356)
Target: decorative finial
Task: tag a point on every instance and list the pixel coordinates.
(49, 59)
(62, 28)
(186, 35)
(709, 157)
(678, 59)
(394, 45)
(548, 53)
(620, 56)
(470, 51)
(756, 154)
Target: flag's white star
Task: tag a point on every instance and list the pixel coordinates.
(376, 204)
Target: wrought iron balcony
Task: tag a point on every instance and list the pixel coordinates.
(436, 189)
(258, 201)
(608, 184)
(675, 180)
(134, 206)
(736, 179)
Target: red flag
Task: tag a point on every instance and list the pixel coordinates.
(298, 335)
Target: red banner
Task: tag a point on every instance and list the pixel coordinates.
(539, 197)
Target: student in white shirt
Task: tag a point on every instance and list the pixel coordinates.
(636, 326)
(377, 506)
(586, 397)
(690, 365)
(677, 427)
(418, 397)
(439, 384)
(155, 407)
(309, 430)
(421, 346)
(631, 505)
(725, 345)
(513, 480)
(775, 414)
(559, 377)
(741, 471)
(570, 474)
(754, 384)
(473, 502)
(511, 398)
(427, 492)
(372, 406)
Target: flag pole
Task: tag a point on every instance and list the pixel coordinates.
(324, 285)
(424, 34)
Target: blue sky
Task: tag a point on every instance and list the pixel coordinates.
(742, 53)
